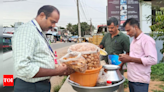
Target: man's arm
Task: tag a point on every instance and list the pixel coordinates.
(102, 44)
(122, 63)
(150, 57)
(126, 58)
(126, 46)
(59, 70)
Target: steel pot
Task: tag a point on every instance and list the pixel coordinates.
(113, 73)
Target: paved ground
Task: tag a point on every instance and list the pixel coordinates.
(56, 80)
(59, 45)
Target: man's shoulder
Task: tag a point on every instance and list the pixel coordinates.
(107, 34)
(147, 38)
(26, 27)
(123, 34)
(28, 24)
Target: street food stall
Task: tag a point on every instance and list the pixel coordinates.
(91, 75)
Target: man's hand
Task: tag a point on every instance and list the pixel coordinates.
(124, 58)
(101, 46)
(121, 66)
(64, 70)
(60, 70)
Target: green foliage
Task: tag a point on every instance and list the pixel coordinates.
(160, 86)
(57, 88)
(65, 77)
(158, 27)
(70, 28)
(85, 28)
(125, 70)
(157, 72)
(157, 20)
(75, 29)
(62, 28)
(5, 26)
(12, 25)
(126, 83)
(157, 91)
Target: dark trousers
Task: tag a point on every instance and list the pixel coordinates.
(22, 86)
(138, 87)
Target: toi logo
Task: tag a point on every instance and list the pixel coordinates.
(8, 80)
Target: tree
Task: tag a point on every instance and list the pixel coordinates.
(85, 28)
(70, 28)
(12, 25)
(157, 20)
(158, 27)
(75, 29)
(5, 26)
(61, 27)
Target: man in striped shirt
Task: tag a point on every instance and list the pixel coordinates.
(33, 56)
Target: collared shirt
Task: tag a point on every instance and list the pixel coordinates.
(142, 47)
(116, 45)
(30, 52)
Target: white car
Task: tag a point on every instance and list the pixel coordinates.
(7, 62)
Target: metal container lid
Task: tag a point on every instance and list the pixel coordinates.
(111, 67)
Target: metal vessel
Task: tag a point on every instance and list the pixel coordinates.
(113, 73)
(110, 88)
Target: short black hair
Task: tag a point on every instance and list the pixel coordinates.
(112, 20)
(132, 22)
(47, 9)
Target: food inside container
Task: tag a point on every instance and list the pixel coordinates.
(75, 61)
(103, 52)
(92, 60)
(90, 52)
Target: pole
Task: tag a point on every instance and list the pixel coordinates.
(90, 26)
(79, 26)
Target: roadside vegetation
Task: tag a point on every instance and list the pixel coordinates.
(57, 88)
(158, 74)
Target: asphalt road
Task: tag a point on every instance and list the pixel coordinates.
(60, 45)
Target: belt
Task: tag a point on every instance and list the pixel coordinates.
(47, 80)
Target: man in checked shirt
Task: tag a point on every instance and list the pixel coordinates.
(33, 57)
(142, 56)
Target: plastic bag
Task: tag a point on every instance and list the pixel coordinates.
(102, 78)
(75, 61)
(90, 52)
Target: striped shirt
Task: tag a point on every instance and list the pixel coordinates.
(30, 52)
